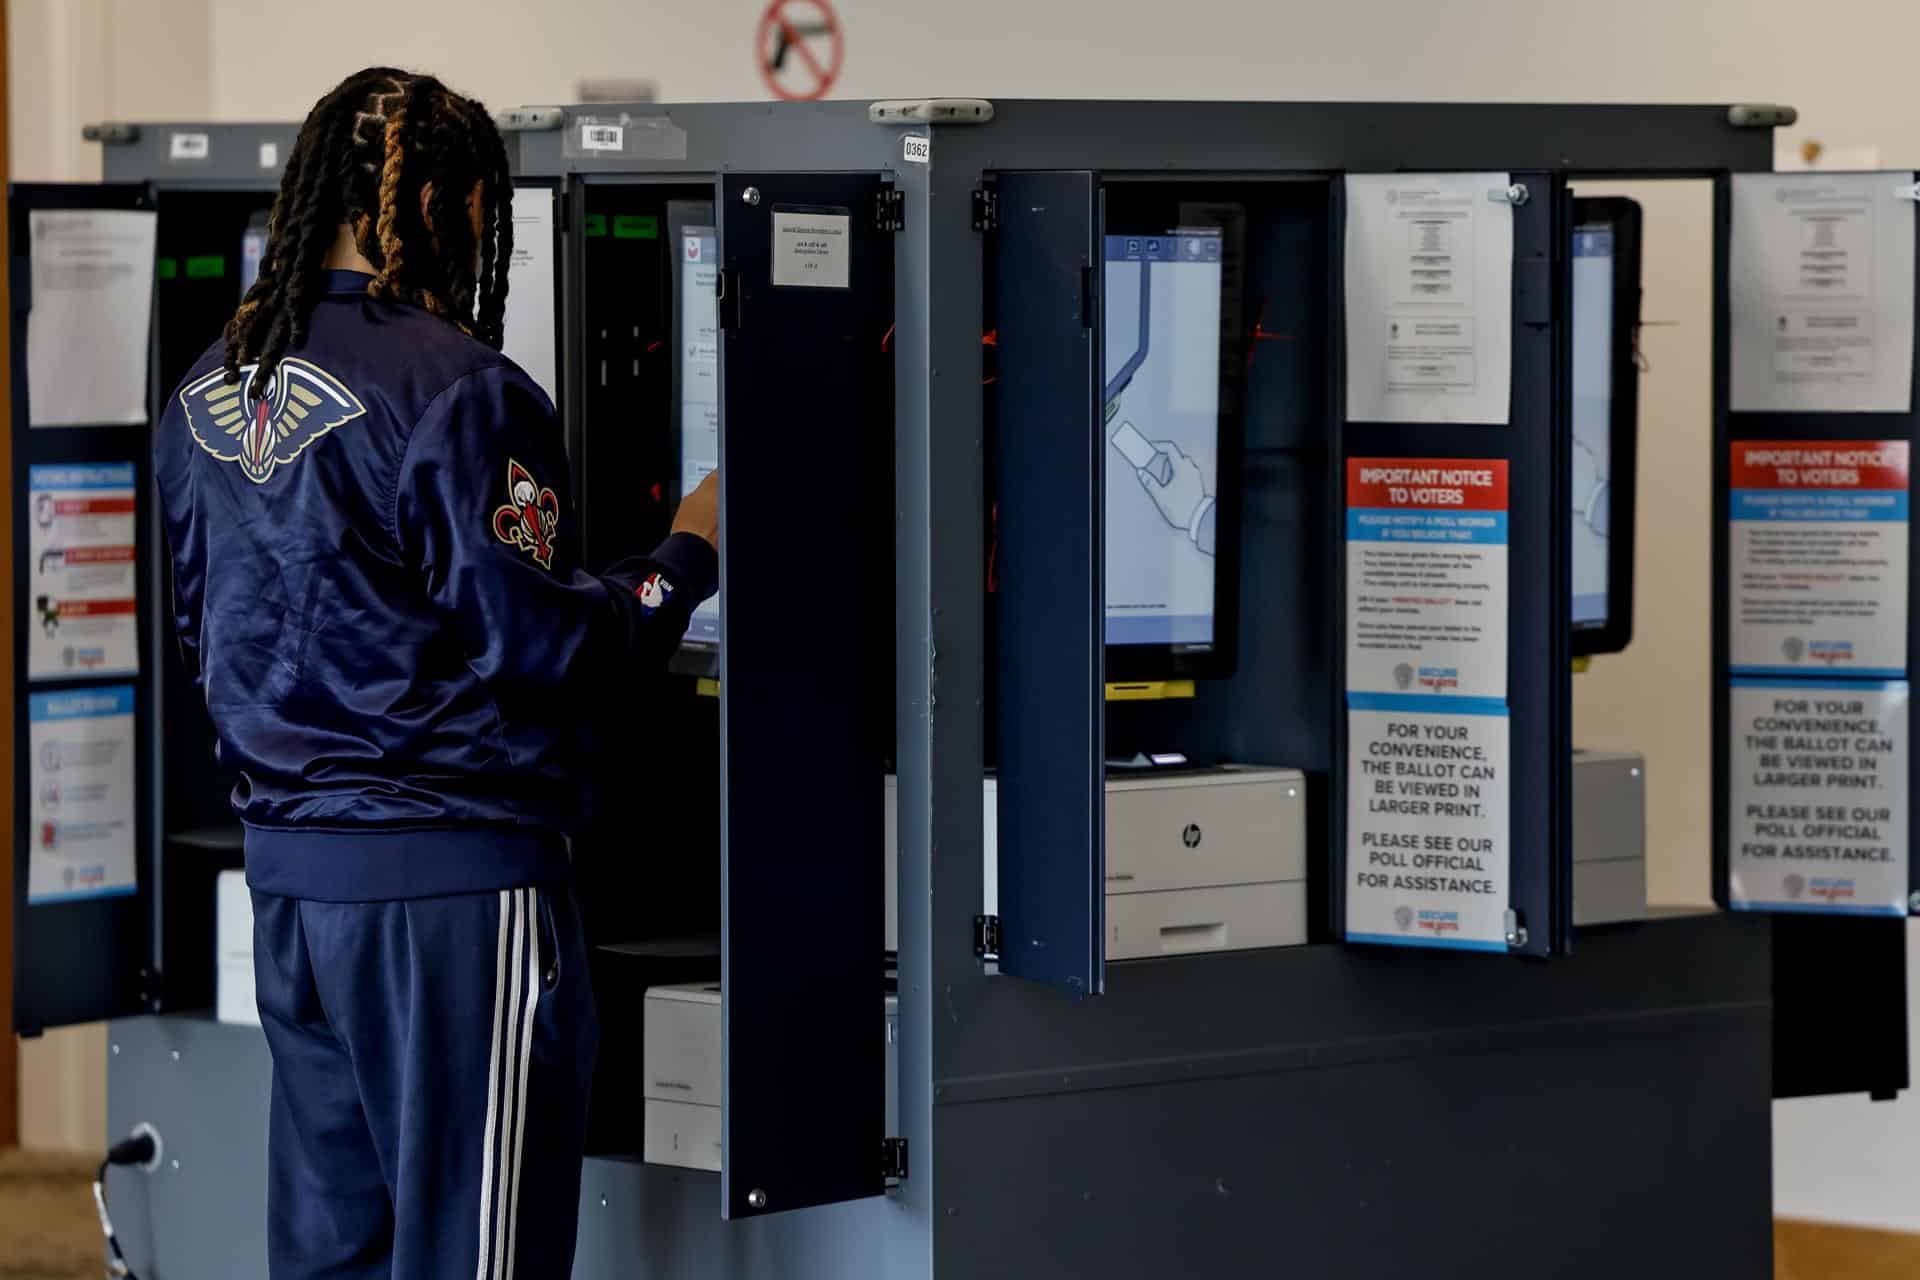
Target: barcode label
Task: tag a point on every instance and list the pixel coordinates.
(602, 137)
(189, 146)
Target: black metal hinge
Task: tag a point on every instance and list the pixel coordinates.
(986, 937)
(986, 209)
(893, 1159)
(890, 210)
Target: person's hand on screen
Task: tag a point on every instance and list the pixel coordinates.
(699, 511)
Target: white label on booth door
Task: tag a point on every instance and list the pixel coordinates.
(1427, 823)
(1429, 295)
(80, 837)
(1427, 577)
(1817, 580)
(1819, 797)
(915, 149)
(189, 146)
(1822, 293)
(811, 250)
(603, 137)
(81, 580)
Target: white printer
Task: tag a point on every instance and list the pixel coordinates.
(1609, 837)
(233, 951)
(682, 1080)
(1212, 860)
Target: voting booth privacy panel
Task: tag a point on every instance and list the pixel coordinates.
(948, 358)
(121, 819)
(1813, 628)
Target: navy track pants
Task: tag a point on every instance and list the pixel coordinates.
(432, 1059)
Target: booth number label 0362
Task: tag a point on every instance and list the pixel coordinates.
(915, 149)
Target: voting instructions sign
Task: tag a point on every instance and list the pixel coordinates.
(1427, 576)
(1817, 558)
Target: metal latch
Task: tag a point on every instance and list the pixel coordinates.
(986, 937)
(986, 209)
(893, 1159)
(889, 209)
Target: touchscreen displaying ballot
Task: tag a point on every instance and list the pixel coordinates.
(1592, 420)
(700, 385)
(1162, 426)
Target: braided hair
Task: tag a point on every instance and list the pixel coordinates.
(366, 152)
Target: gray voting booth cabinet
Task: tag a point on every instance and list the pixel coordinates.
(1583, 1105)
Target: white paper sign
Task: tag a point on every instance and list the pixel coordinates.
(529, 321)
(81, 833)
(811, 250)
(1822, 293)
(1427, 576)
(1817, 557)
(1819, 814)
(1429, 264)
(81, 580)
(1428, 803)
(87, 332)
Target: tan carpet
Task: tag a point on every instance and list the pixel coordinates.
(48, 1230)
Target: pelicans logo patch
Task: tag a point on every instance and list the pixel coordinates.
(530, 520)
(304, 403)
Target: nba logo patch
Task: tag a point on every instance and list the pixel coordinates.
(654, 592)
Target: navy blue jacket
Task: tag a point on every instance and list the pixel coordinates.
(376, 578)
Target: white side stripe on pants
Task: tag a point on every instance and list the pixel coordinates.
(516, 995)
(532, 913)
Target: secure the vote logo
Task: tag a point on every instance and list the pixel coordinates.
(654, 591)
(530, 518)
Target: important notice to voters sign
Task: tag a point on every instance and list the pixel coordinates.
(1427, 822)
(1427, 576)
(1817, 555)
(1819, 813)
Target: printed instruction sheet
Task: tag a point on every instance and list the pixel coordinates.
(1822, 293)
(91, 317)
(80, 841)
(1819, 793)
(1428, 805)
(529, 322)
(1817, 557)
(1427, 576)
(82, 589)
(1429, 294)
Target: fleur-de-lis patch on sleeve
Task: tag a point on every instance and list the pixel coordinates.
(530, 517)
